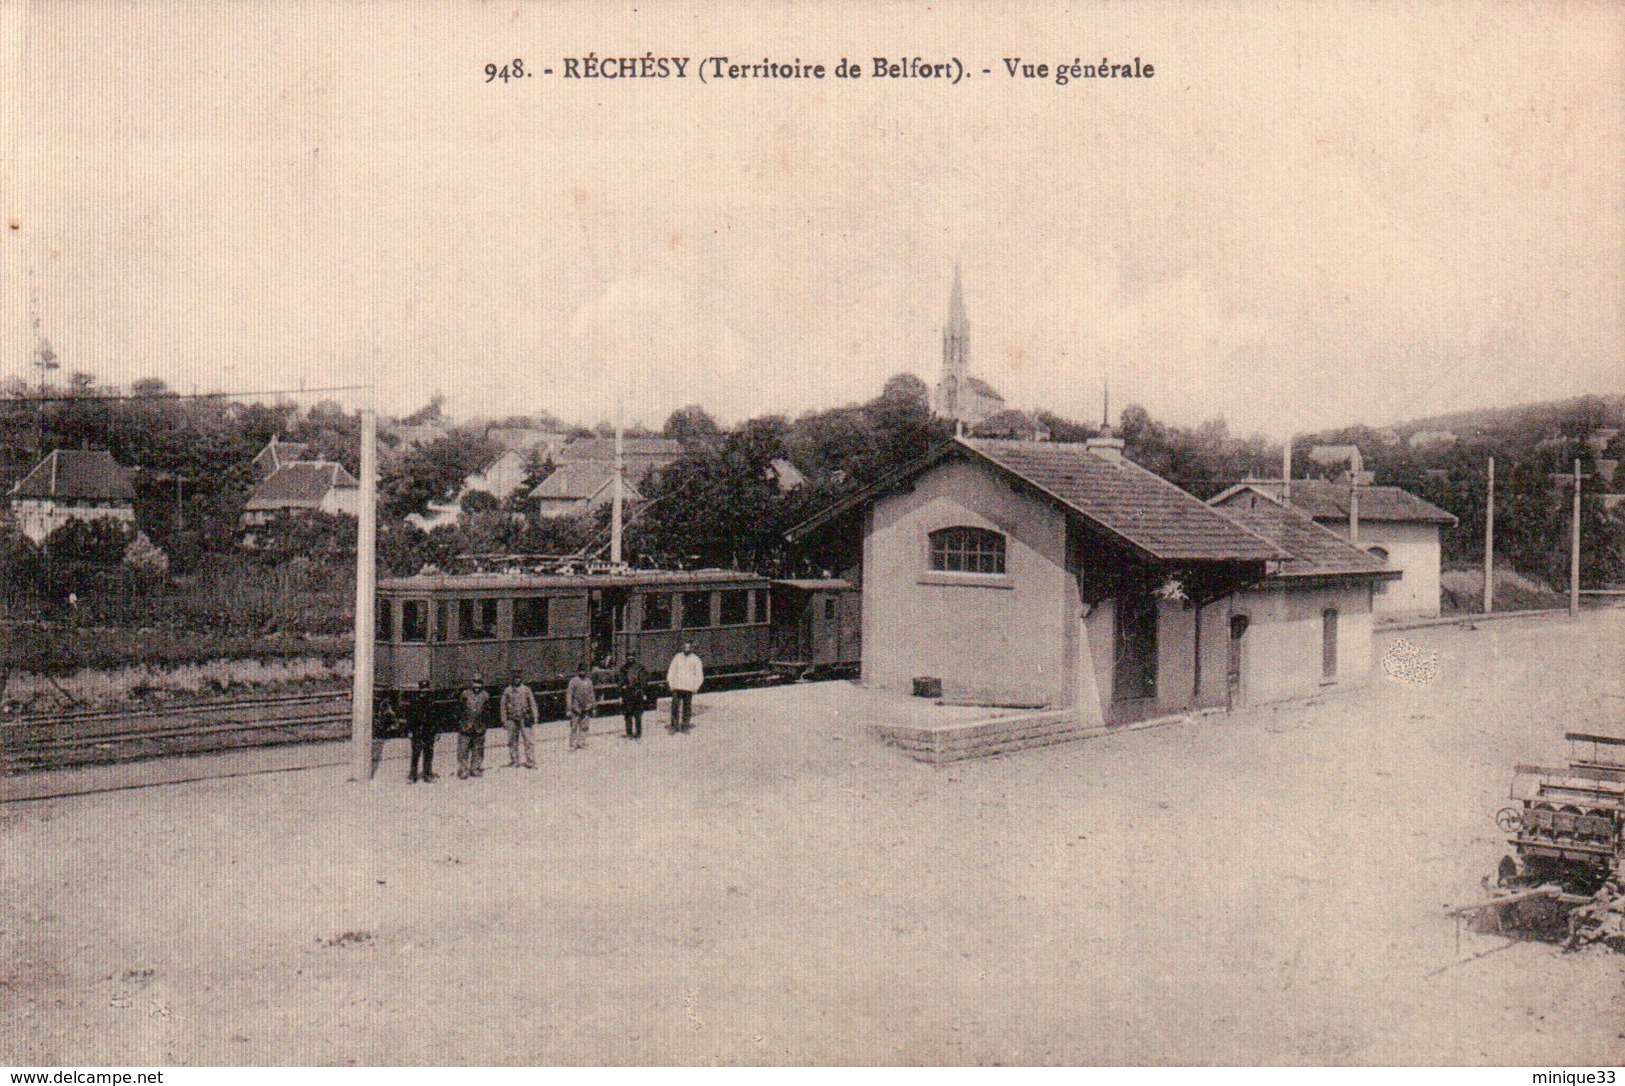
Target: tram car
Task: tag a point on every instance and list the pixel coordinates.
(817, 628)
(435, 632)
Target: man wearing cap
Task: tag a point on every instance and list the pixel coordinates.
(471, 733)
(685, 676)
(519, 716)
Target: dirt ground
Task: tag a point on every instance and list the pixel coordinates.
(778, 888)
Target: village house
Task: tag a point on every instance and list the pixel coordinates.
(276, 455)
(644, 457)
(1045, 574)
(527, 439)
(303, 486)
(501, 478)
(579, 488)
(68, 485)
(1308, 624)
(1393, 524)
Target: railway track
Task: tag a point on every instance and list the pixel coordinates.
(102, 737)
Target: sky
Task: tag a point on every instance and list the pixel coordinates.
(1314, 214)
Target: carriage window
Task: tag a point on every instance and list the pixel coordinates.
(696, 610)
(967, 550)
(829, 608)
(441, 630)
(758, 605)
(414, 620)
(657, 611)
(476, 619)
(530, 617)
(735, 607)
(385, 628)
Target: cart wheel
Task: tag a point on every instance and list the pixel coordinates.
(1508, 819)
(1507, 871)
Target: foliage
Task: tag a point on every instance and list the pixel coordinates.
(432, 470)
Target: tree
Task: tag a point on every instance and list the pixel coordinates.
(690, 423)
(433, 470)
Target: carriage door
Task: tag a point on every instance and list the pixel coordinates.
(607, 611)
(1232, 685)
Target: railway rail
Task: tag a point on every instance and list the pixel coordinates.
(102, 737)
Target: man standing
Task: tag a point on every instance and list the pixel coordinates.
(580, 697)
(632, 680)
(519, 716)
(471, 734)
(685, 676)
(421, 721)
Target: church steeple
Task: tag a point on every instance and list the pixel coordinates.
(956, 333)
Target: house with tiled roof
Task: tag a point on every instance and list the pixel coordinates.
(1389, 522)
(579, 488)
(276, 455)
(1043, 574)
(1307, 624)
(303, 486)
(644, 457)
(72, 484)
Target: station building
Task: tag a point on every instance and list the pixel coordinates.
(1062, 575)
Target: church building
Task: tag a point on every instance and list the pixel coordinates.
(958, 395)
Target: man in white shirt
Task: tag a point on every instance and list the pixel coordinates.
(685, 676)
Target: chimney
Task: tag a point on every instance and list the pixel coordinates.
(1106, 447)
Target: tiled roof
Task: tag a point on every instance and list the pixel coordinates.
(579, 482)
(300, 485)
(603, 448)
(1328, 500)
(76, 474)
(1316, 551)
(279, 453)
(1128, 501)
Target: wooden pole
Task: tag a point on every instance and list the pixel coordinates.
(616, 522)
(366, 585)
(1489, 544)
(1574, 550)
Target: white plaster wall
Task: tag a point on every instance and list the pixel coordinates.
(988, 638)
(1282, 655)
(1414, 550)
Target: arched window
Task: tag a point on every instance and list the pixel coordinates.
(1378, 552)
(967, 550)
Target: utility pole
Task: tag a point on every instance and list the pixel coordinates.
(1574, 550)
(616, 516)
(1489, 544)
(366, 586)
(1286, 471)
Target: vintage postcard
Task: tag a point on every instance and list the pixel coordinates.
(648, 534)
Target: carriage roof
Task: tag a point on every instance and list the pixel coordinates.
(429, 583)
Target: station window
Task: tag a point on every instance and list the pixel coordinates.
(530, 617)
(657, 611)
(967, 550)
(759, 605)
(414, 620)
(696, 610)
(735, 607)
(384, 630)
(476, 619)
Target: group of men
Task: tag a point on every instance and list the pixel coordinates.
(518, 713)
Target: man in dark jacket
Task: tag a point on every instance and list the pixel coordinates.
(422, 720)
(633, 682)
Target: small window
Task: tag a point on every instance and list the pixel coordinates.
(530, 617)
(442, 622)
(759, 605)
(476, 619)
(657, 611)
(1328, 644)
(735, 607)
(696, 610)
(414, 620)
(385, 628)
(967, 550)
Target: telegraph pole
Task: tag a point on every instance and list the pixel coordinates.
(1574, 550)
(1489, 544)
(616, 522)
(366, 585)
